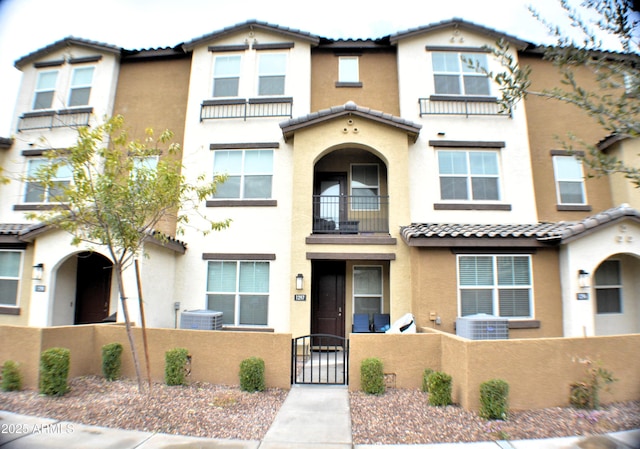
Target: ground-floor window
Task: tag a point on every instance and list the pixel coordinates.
(608, 287)
(367, 289)
(240, 290)
(498, 285)
(9, 277)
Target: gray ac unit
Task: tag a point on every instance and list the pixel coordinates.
(482, 327)
(201, 319)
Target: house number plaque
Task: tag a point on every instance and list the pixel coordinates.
(300, 297)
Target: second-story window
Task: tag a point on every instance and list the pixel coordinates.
(226, 76)
(453, 74)
(80, 88)
(45, 89)
(569, 180)
(469, 175)
(35, 192)
(348, 71)
(272, 68)
(249, 173)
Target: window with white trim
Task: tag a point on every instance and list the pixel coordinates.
(367, 289)
(240, 290)
(569, 180)
(35, 192)
(608, 287)
(10, 263)
(249, 173)
(498, 285)
(348, 69)
(80, 88)
(469, 175)
(272, 68)
(45, 89)
(226, 76)
(365, 187)
(453, 74)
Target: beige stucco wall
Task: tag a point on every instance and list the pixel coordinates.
(378, 75)
(434, 275)
(309, 145)
(622, 190)
(543, 130)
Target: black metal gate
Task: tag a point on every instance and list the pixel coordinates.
(320, 359)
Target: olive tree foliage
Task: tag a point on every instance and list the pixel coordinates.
(613, 101)
(115, 200)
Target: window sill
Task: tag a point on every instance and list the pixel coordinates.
(471, 206)
(524, 324)
(574, 208)
(247, 329)
(464, 98)
(35, 206)
(4, 310)
(242, 203)
(351, 84)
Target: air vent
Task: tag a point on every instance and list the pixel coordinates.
(201, 319)
(482, 327)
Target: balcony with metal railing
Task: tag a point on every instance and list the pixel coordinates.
(467, 106)
(245, 108)
(350, 214)
(64, 118)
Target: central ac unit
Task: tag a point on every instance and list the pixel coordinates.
(201, 319)
(482, 327)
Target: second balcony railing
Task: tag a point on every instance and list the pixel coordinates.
(343, 214)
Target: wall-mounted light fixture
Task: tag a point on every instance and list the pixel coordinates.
(299, 281)
(583, 279)
(38, 272)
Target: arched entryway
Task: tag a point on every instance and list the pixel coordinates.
(83, 290)
(616, 292)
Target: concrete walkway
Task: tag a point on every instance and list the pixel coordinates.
(312, 417)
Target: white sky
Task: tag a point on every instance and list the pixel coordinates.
(28, 25)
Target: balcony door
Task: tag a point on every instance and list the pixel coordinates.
(330, 206)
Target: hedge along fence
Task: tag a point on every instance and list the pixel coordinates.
(216, 355)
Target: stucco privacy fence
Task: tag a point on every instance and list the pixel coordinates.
(539, 371)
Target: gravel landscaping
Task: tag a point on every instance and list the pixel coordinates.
(397, 417)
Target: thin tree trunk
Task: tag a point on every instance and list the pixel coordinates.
(143, 323)
(127, 322)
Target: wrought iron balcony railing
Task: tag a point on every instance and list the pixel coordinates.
(246, 108)
(55, 119)
(343, 214)
(452, 105)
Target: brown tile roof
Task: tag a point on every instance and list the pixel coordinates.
(349, 108)
(538, 233)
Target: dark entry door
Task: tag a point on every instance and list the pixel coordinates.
(93, 288)
(328, 297)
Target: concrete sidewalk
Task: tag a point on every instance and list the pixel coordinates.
(312, 417)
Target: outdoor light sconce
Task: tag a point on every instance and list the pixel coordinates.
(583, 279)
(299, 281)
(38, 271)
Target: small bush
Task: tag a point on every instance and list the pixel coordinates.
(425, 377)
(54, 371)
(580, 395)
(439, 387)
(586, 394)
(175, 368)
(372, 376)
(111, 360)
(252, 375)
(11, 378)
(494, 395)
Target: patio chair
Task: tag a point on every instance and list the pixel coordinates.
(360, 323)
(381, 322)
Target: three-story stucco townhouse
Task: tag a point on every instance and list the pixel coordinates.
(365, 178)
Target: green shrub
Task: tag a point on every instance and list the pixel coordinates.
(439, 387)
(11, 378)
(586, 394)
(372, 376)
(580, 395)
(54, 371)
(252, 375)
(111, 360)
(425, 377)
(175, 368)
(494, 395)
